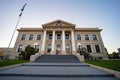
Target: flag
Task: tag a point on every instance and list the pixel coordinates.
(23, 7)
(20, 14)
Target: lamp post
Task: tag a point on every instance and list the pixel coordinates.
(35, 46)
(80, 48)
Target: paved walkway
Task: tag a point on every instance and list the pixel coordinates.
(55, 71)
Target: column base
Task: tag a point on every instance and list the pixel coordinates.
(63, 53)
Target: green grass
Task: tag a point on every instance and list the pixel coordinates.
(110, 64)
(11, 62)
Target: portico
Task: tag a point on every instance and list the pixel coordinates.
(58, 42)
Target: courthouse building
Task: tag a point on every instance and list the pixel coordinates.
(61, 38)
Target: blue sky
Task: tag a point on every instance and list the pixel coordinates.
(104, 14)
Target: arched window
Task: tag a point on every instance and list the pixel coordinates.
(67, 48)
(31, 37)
(86, 37)
(49, 48)
(37, 48)
(23, 37)
(94, 37)
(38, 37)
(20, 48)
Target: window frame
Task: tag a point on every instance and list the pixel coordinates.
(89, 48)
(39, 37)
(94, 37)
(67, 49)
(31, 37)
(86, 37)
(78, 37)
(97, 48)
(67, 37)
(49, 36)
(59, 37)
(20, 48)
(23, 37)
(49, 48)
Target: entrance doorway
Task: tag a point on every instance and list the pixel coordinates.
(58, 49)
(67, 49)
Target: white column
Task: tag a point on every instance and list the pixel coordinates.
(43, 43)
(73, 42)
(53, 43)
(63, 43)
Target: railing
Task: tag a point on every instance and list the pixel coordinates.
(34, 57)
(80, 57)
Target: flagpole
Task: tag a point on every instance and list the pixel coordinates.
(16, 27)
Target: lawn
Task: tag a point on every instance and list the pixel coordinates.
(11, 62)
(110, 64)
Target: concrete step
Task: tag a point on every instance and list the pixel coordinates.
(55, 71)
(57, 59)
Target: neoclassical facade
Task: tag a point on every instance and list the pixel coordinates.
(61, 38)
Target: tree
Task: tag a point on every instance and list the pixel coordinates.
(115, 55)
(22, 55)
(25, 55)
(29, 51)
(84, 52)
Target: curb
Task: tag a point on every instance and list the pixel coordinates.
(116, 73)
(11, 66)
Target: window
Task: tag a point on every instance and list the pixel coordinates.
(78, 37)
(39, 37)
(58, 36)
(66, 36)
(20, 48)
(67, 48)
(97, 48)
(89, 48)
(94, 37)
(50, 36)
(49, 48)
(31, 37)
(86, 37)
(37, 48)
(23, 37)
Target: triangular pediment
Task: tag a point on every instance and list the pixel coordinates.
(58, 23)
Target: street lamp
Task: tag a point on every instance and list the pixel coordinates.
(35, 45)
(80, 48)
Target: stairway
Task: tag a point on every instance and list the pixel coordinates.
(57, 59)
(55, 67)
